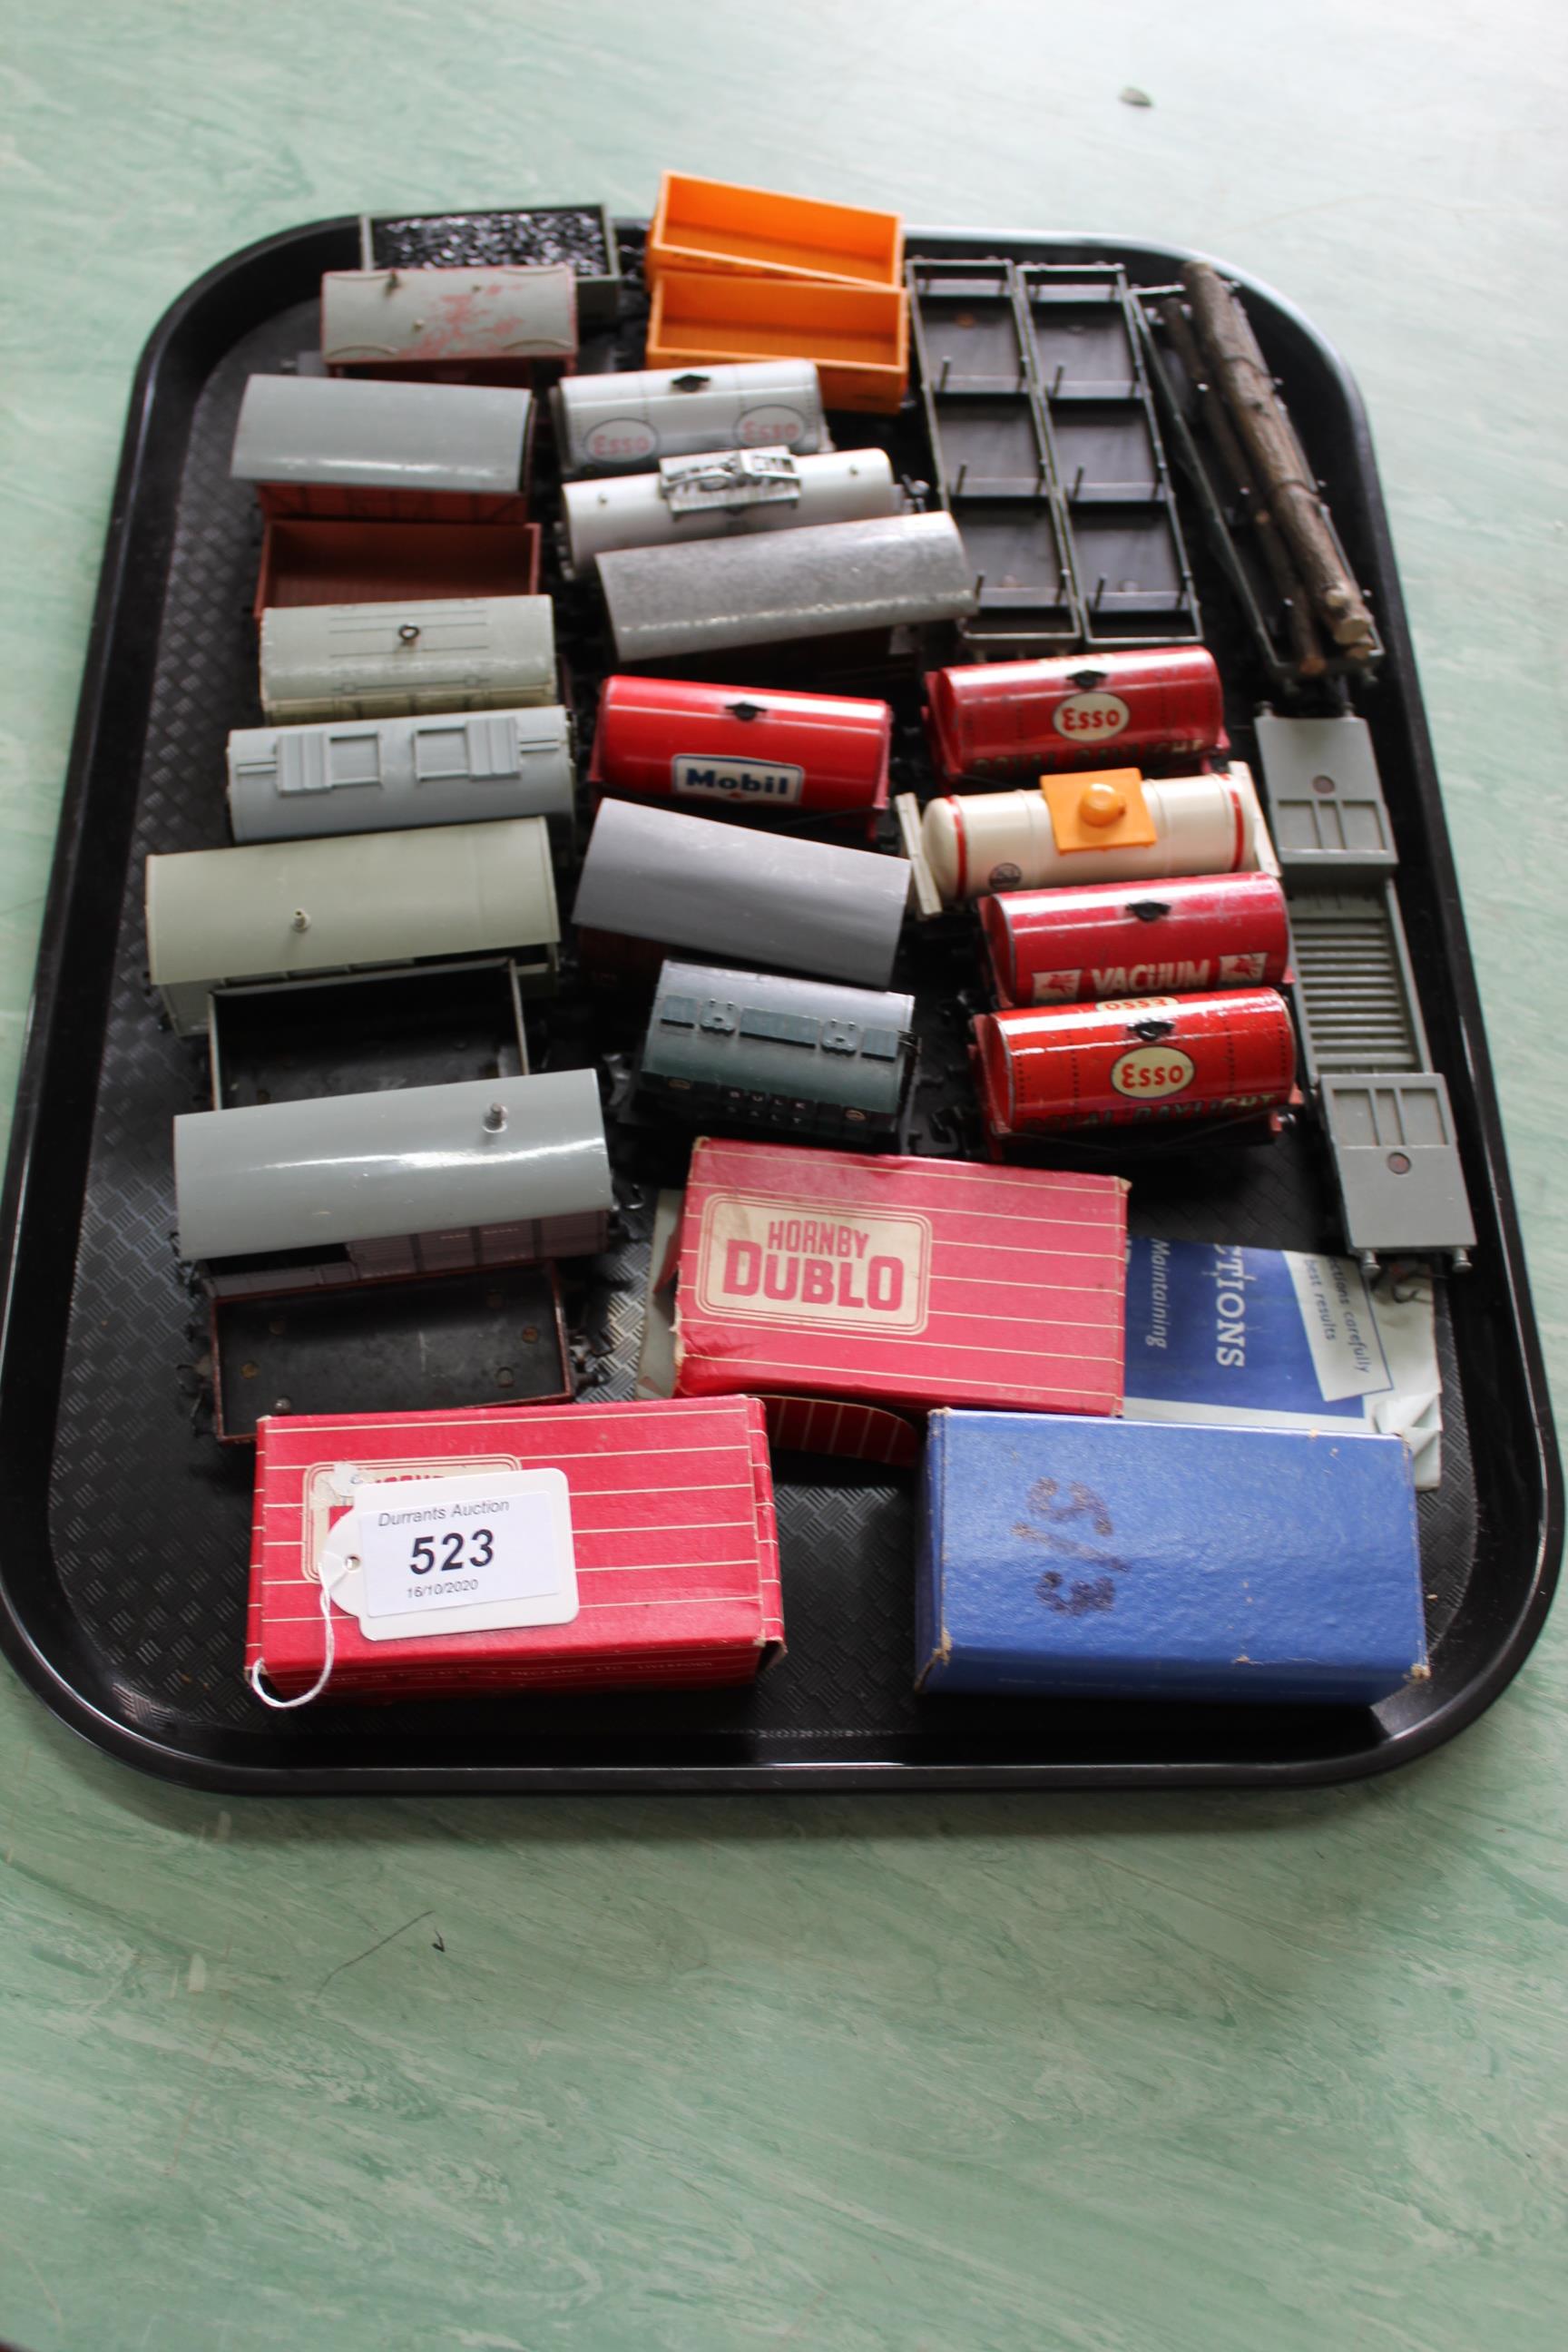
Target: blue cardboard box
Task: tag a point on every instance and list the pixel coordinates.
(1082, 1557)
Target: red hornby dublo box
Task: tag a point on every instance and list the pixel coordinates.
(559, 1548)
(900, 1283)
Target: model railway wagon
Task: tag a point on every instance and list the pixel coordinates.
(725, 495)
(630, 423)
(751, 1049)
(762, 754)
(383, 775)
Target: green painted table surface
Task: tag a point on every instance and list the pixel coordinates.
(1112, 2074)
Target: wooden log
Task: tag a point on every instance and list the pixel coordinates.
(1306, 647)
(1238, 368)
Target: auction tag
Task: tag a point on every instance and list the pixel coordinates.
(457, 1554)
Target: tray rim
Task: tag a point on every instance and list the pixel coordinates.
(165, 1760)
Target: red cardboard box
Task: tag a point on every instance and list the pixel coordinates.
(900, 1283)
(672, 1529)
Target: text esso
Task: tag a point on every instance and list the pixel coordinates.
(1095, 718)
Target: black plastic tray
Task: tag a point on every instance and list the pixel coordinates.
(124, 1526)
